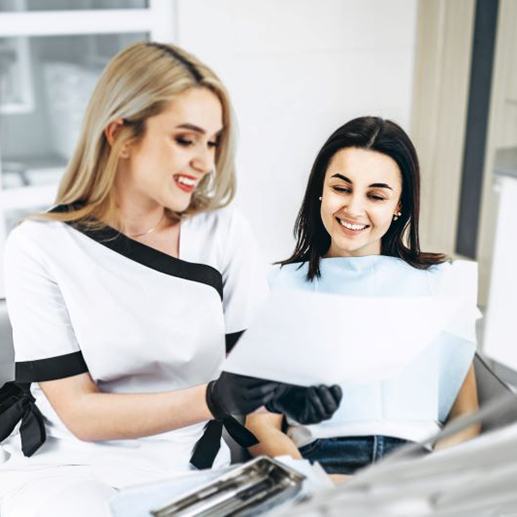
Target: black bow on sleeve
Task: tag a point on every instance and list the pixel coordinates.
(17, 404)
(208, 445)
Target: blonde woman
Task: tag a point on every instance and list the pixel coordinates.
(123, 296)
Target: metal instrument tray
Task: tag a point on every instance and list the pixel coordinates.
(250, 489)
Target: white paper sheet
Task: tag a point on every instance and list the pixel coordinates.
(307, 338)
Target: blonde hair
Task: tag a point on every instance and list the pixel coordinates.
(138, 83)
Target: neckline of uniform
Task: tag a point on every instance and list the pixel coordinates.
(148, 256)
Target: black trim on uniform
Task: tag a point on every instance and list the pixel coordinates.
(50, 368)
(231, 340)
(150, 257)
(17, 405)
(206, 448)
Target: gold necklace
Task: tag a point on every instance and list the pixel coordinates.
(151, 230)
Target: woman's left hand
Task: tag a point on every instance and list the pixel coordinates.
(306, 405)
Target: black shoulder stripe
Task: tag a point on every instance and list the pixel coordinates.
(150, 257)
(231, 340)
(51, 368)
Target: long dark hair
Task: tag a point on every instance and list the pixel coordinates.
(383, 136)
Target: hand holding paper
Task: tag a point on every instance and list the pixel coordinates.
(306, 405)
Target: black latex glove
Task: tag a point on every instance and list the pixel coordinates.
(306, 405)
(238, 394)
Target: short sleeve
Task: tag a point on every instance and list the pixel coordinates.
(45, 346)
(244, 277)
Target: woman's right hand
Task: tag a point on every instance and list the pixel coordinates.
(234, 394)
(238, 394)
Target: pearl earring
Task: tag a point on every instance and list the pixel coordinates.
(319, 198)
(396, 215)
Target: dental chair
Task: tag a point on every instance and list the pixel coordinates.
(490, 387)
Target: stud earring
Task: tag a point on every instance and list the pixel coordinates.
(396, 215)
(319, 198)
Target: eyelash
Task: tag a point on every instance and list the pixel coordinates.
(185, 142)
(347, 190)
(341, 189)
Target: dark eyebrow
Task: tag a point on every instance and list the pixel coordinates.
(379, 185)
(197, 129)
(340, 176)
(348, 180)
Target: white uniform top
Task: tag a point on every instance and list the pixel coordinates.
(136, 319)
(413, 404)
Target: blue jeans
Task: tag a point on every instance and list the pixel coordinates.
(345, 455)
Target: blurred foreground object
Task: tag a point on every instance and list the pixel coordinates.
(256, 487)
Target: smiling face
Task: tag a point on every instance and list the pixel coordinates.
(177, 150)
(361, 193)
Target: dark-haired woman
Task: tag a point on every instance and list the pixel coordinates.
(357, 234)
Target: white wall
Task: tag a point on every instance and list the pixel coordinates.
(296, 70)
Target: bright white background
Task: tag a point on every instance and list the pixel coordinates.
(296, 70)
